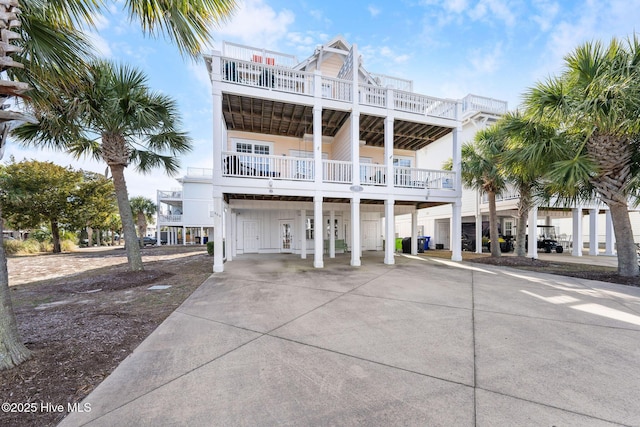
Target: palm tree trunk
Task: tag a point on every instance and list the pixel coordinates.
(524, 206)
(613, 156)
(625, 245)
(493, 225)
(12, 350)
(128, 226)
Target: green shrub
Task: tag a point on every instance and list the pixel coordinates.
(210, 248)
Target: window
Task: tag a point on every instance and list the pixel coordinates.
(309, 228)
(254, 164)
(403, 176)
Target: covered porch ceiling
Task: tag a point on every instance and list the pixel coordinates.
(272, 117)
(235, 196)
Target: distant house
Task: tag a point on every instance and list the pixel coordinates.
(184, 214)
(312, 157)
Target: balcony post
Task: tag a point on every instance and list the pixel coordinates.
(332, 234)
(532, 235)
(388, 145)
(593, 232)
(303, 234)
(577, 231)
(355, 124)
(456, 211)
(318, 236)
(389, 224)
(609, 235)
(355, 231)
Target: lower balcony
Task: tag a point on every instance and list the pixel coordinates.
(242, 165)
(169, 219)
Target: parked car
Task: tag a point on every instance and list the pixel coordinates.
(148, 240)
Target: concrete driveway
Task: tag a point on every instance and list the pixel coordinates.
(427, 342)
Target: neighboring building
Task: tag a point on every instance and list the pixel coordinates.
(325, 141)
(184, 214)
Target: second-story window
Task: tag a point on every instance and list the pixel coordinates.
(254, 164)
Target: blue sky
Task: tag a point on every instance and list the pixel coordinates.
(449, 48)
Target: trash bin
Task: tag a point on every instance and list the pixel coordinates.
(426, 242)
(197, 240)
(205, 239)
(420, 244)
(406, 245)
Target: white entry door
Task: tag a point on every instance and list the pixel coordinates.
(286, 237)
(444, 233)
(369, 235)
(251, 237)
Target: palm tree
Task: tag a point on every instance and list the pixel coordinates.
(115, 117)
(594, 106)
(526, 159)
(481, 171)
(50, 47)
(143, 209)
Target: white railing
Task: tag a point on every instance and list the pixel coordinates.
(373, 174)
(334, 171)
(510, 193)
(393, 82)
(169, 219)
(337, 89)
(471, 103)
(373, 95)
(169, 194)
(256, 74)
(422, 104)
(267, 166)
(337, 171)
(248, 53)
(200, 172)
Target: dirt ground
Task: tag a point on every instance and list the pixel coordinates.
(81, 314)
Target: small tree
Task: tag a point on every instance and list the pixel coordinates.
(143, 210)
(39, 192)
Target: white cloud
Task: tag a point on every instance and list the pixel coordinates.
(486, 61)
(373, 10)
(200, 74)
(456, 6)
(256, 22)
(489, 9)
(547, 12)
(100, 44)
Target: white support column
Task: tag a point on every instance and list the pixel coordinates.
(303, 234)
(184, 235)
(414, 232)
(355, 231)
(456, 231)
(532, 250)
(388, 149)
(577, 231)
(228, 237)
(456, 208)
(478, 235)
(332, 233)
(610, 238)
(318, 235)
(218, 210)
(390, 226)
(317, 145)
(593, 232)
(233, 239)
